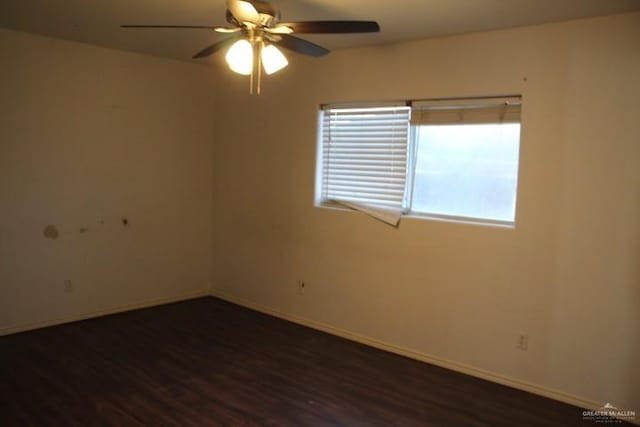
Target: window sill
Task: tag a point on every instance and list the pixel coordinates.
(432, 217)
(460, 220)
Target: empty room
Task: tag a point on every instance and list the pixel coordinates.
(319, 213)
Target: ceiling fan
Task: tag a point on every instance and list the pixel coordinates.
(255, 30)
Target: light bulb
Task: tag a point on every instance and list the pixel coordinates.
(240, 57)
(272, 59)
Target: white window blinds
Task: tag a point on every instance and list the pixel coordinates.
(364, 155)
(477, 111)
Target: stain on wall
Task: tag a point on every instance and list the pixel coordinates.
(51, 232)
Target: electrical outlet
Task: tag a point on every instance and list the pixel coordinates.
(523, 341)
(301, 287)
(68, 286)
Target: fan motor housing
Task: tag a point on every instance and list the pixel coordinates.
(268, 15)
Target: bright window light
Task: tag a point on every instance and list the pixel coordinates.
(467, 170)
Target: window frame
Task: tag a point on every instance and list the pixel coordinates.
(407, 211)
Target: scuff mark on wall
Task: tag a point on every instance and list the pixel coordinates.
(51, 232)
(83, 230)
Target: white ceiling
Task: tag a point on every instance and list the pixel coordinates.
(97, 21)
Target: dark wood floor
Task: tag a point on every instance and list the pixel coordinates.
(207, 362)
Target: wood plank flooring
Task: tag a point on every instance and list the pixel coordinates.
(206, 362)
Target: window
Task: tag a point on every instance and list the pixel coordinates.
(452, 159)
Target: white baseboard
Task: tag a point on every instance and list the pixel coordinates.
(112, 310)
(434, 360)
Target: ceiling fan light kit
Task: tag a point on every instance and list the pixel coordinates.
(272, 59)
(240, 57)
(250, 55)
(256, 29)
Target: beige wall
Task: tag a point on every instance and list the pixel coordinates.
(89, 136)
(568, 274)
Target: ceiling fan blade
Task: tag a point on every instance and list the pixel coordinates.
(279, 29)
(215, 47)
(226, 29)
(243, 11)
(168, 26)
(328, 27)
(301, 46)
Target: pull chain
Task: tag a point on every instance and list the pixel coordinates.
(256, 72)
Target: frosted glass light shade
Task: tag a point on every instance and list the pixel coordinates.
(240, 57)
(272, 59)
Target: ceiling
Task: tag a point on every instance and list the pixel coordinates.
(97, 21)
